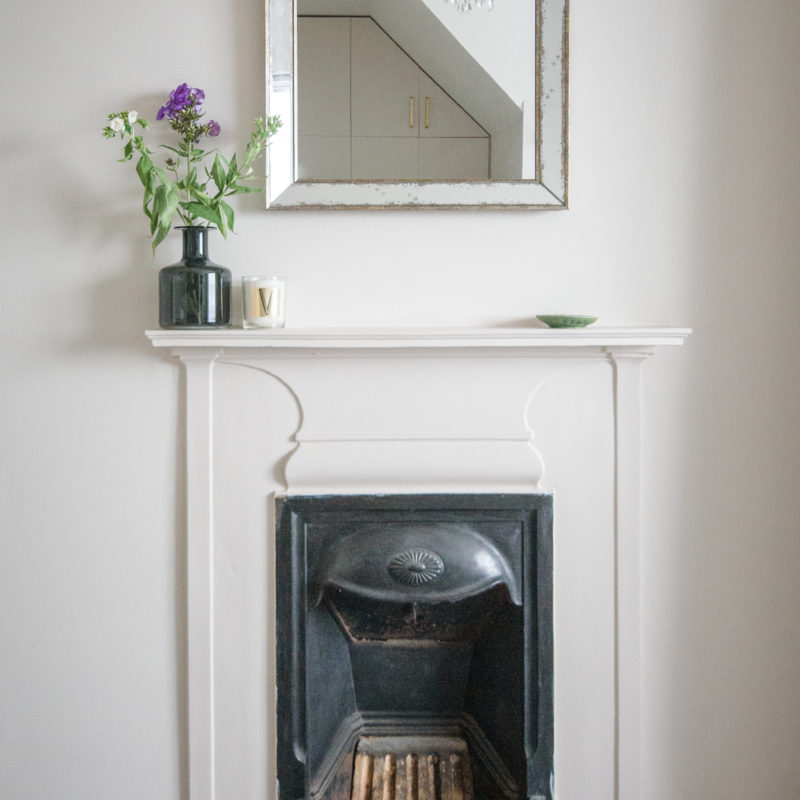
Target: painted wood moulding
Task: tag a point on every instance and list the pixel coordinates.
(476, 387)
(403, 338)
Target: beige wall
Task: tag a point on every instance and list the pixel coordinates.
(684, 169)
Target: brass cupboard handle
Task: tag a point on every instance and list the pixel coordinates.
(427, 112)
(410, 112)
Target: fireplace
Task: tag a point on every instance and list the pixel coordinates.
(415, 647)
(402, 412)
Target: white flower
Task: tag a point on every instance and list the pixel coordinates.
(132, 116)
(117, 125)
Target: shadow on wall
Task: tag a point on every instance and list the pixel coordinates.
(733, 575)
(124, 299)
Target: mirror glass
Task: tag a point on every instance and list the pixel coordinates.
(414, 103)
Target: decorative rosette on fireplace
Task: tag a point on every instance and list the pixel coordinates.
(415, 566)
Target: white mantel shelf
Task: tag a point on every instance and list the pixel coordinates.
(472, 432)
(411, 338)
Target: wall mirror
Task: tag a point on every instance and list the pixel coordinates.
(415, 103)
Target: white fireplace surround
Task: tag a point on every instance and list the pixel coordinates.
(422, 410)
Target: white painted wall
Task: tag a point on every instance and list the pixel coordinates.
(685, 210)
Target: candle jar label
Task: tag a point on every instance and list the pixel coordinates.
(267, 301)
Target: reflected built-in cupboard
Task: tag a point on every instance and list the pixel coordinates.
(367, 111)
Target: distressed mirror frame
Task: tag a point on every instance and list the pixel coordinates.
(548, 190)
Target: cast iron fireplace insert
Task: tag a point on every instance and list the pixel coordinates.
(415, 647)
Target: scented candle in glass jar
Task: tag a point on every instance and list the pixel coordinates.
(263, 301)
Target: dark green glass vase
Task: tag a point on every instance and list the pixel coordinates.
(195, 292)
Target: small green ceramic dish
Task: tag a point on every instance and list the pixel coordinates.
(565, 320)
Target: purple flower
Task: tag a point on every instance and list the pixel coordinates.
(213, 128)
(169, 111)
(179, 98)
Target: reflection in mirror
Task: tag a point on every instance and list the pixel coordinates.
(413, 103)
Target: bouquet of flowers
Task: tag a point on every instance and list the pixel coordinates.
(186, 185)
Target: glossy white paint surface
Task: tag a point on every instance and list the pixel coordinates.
(408, 410)
(593, 340)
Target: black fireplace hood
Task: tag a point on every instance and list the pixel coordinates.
(420, 563)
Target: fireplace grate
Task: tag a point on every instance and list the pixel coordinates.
(412, 768)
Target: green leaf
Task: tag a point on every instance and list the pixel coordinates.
(205, 212)
(228, 212)
(218, 173)
(189, 181)
(152, 182)
(144, 168)
(233, 170)
(162, 175)
(200, 195)
(146, 200)
(160, 236)
(165, 203)
(159, 198)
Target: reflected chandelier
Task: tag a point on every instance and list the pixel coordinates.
(467, 6)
